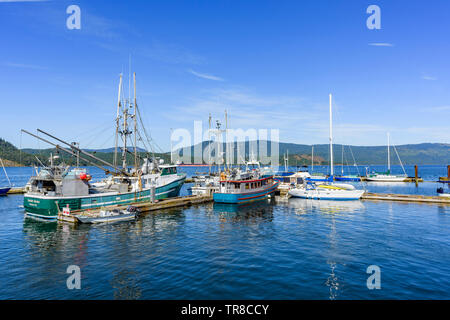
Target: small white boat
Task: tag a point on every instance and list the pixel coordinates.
(109, 216)
(326, 192)
(379, 177)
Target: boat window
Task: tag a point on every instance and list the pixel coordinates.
(246, 186)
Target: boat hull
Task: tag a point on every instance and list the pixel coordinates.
(386, 179)
(245, 197)
(326, 194)
(110, 219)
(319, 179)
(344, 178)
(4, 191)
(46, 207)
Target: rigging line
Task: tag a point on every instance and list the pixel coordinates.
(97, 135)
(354, 161)
(145, 131)
(151, 141)
(399, 159)
(90, 131)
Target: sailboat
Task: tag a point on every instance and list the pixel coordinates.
(347, 177)
(4, 190)
(387, 176)
(327, 191)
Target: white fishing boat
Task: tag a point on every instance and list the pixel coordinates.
(387, 176)
(327, 191)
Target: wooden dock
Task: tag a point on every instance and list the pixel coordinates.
(405, 198)
(145, 206)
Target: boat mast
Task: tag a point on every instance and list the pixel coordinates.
(171, 146)
(331, 141)
(135, 124)
(389, 155)
(312, 158)
(209, 143)
(226, 132)
(117, 121)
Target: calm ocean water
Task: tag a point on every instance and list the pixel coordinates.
(294, 249)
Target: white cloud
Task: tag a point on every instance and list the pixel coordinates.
(381, 44)
(205, 76)
(23, 0)
(429, 78)
(22, 65)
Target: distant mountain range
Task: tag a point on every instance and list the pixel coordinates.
(299, 154)
(107, 150)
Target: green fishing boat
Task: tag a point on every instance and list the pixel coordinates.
(58, 186)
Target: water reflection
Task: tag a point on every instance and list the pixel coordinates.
(304, 206)
(331, 210)
(253, 213)
(125, 285)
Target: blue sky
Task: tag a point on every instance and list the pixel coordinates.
(272, 64)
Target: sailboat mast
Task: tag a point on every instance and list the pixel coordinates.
(124, 135)
(117, 121)
(389, 154)
(312, 158)
(331, 140)
(226, 132)
(209, 143)
(135, 124)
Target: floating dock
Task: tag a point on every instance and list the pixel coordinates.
(145, 206)
(405, 198)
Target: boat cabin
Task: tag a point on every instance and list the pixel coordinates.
(244, 186)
